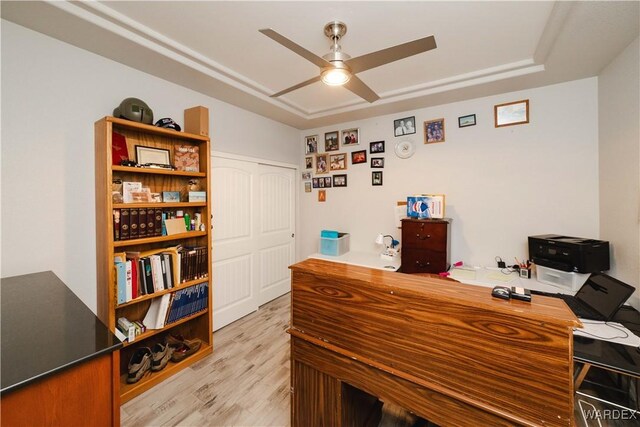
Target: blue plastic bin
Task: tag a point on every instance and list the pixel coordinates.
(335, 246)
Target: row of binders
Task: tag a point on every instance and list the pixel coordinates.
(170, 308)
(144, 273)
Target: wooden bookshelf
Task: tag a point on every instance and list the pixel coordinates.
(197, 325)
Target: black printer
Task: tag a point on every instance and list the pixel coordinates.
(569, 253)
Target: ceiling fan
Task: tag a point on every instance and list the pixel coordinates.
(339, 69)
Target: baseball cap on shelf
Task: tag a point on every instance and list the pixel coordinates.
(168, 123)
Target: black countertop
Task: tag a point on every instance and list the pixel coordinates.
(45, 329)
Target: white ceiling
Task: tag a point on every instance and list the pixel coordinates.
(215, 47)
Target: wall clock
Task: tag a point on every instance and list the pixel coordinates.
(405, 149)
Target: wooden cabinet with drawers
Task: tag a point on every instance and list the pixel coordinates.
(425, 245)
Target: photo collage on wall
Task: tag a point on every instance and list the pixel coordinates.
(326, 159)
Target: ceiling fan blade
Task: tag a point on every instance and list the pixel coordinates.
(358, 87)
(391, 54)
(298, 86)
(309, 56)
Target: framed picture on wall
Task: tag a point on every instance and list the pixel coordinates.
(351, 136)
(327, 182)
(469, 120)
(359, 157)
(511, 113)
(307, 187)
(331, 141)
(376, 178)
(434, 131)
(311, 144)
(308, 162)
(340, 180)
(405, 126)
(377, 162)
(315, 183)
(376, 147)
(321, 163)
(338, 162)
(306, 176)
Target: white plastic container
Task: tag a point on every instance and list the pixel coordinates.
(563, 279)
(334, 247)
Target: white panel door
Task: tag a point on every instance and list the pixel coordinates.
(275, 236)
(233, 196)
(253, 209)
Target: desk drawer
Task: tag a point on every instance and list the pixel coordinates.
(424, 235)
(423, 261)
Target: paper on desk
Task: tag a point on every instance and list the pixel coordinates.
(501, 277)
(607, 331)
(463, 273)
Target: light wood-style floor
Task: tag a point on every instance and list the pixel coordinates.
(245, 382)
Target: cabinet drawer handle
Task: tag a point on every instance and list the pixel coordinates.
(428, 236)
(421, 265)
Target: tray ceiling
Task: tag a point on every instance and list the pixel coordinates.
(215, 47)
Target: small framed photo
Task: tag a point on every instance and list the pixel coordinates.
(376, 178)
(321, 163)
(511, 113)
(315, 183)
(311, 144)
(359, 157)
(405, 126)
(307, 187)
(340, 180)
(327, 182)
(434, 131)
(469, 120)
(308, 162)
(331, 141)
(320, 182)
(158, 156)
(376, 147)
(377, 162)
(322, 195)
(338, 162)
(350, 136)
(306, 176)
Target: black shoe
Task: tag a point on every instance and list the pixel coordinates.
(139, 364)
(160, 356)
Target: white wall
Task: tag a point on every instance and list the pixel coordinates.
(501, 185)
(52, 93)
(619, 134)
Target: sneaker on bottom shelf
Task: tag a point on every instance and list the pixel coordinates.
(160, 356)
(139, 364)
(186, 349)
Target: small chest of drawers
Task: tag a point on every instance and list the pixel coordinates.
(425, 245)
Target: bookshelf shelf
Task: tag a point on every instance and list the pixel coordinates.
(160, 205)
(153, 171)
(154, 130)
(194, 149)
(160, 293)
(143, 336)
(181, 236)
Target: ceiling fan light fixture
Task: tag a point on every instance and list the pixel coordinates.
(335, 76)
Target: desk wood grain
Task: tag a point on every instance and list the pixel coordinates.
(510, 359)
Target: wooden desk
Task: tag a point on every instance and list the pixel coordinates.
(446, 351)
(57, 357)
